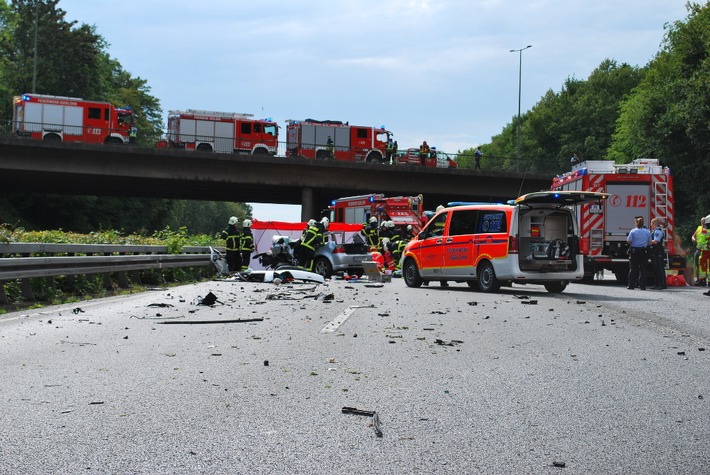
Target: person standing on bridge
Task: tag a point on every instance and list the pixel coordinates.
(423, 152)
(477, 158)
(232, 238)
(246, 244)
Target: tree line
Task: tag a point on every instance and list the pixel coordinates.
(623, 112)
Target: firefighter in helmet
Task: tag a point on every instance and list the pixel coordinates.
(232, 238)
(371, 232)
(246, 244)
(311, 239)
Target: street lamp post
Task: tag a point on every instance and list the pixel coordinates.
(520, 77)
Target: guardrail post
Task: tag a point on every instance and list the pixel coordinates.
(108, 284)
(3, 295)
(122, 279)
(26, 286)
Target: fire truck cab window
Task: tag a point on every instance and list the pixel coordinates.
(106, 116)
(94, 113)
(362, 133)
(270, 129)
(257, 128)
(463, 222)
(124, 119)
(246, 128)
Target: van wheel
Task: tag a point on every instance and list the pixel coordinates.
(556, 287)
(411, 274)
(487, 280)
(322, 267)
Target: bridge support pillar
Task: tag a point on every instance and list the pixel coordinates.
(308, 205)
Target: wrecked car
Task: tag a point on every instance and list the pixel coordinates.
(336, 255)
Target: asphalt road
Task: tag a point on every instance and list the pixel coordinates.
(599, 379)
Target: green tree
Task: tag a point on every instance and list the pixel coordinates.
(579, 119)
(67, 56)
(668, 115)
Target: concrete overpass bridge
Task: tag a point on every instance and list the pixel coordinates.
(118, 170)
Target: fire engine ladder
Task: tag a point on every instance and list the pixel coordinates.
(660, 199)
(660, 202)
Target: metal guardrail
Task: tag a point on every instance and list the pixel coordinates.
(21, 261)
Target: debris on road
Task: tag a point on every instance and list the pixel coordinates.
(362, 412)
(529, 302)
(447, 343)
(160, 305)
(198, 322)
(209, 300)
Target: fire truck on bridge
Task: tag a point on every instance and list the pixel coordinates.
(71, 119)
(335, 140)
(226, 132)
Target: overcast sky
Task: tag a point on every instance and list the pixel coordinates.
(439, 71)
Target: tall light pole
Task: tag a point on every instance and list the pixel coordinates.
(520, 77)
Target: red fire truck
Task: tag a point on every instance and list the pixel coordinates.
(336, 140)
(640, 188)
(226, 132)
(70, 119)
(402, 210)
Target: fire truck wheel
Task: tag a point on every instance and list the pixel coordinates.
(322, 267)
(52, 138)
(260, 151)
(374, 158)
(556, 287)
(411, 274)
(487, 280)
(204, 147)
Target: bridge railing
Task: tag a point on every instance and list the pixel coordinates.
(160, 140)
(25, 261)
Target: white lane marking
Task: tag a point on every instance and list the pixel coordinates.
(342, 316)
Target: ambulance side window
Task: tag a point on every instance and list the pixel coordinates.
(436, 228)
(491, 222)
(463, 222)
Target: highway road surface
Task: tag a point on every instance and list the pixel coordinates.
(599, 379)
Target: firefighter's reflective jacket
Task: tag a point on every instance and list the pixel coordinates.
(312, 238)
(232, 237)
(246, 243)
(372, 235)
